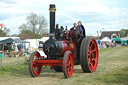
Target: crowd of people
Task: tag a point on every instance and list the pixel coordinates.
(107, 44)
(11, 48)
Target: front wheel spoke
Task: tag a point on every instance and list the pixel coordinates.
(69, 57)
(68, 63)
(35, 64)
(69, 69)
(35, 69)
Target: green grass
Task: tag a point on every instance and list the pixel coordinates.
(112, 69)
(101, 51)
(14, 70)
(114, 77)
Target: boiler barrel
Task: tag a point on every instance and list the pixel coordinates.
(57, 48)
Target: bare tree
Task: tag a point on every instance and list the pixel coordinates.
(35, 26)
(23, 27)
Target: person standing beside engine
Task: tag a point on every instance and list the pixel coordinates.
(5, 50)
(40, 45)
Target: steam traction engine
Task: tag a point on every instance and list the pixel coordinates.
(64, 49)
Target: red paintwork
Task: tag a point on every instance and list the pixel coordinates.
(66, 47)
(38, 62)
(69, 68)
(51, 63)
(93, 55)
(36, 68)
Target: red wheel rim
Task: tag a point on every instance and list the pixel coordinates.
(69, 64)
(93, 55)
(36, 67)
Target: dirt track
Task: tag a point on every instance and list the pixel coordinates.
(108, 61)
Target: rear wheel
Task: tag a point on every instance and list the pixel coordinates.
(34, 68)
(89, 55)
(68, 64)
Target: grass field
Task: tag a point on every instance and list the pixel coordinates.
(112, 69)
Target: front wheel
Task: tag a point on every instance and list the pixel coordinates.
(34, 68)
(68, 64)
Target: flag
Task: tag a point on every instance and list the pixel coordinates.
(1, 26)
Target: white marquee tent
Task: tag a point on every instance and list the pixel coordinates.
(106, 39)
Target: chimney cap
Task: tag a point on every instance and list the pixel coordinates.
(52, 6)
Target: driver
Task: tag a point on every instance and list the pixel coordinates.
(74, 27)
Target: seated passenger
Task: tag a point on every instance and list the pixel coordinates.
(82, 27)
(79, 28)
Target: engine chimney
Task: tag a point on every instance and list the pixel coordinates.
(52, 10)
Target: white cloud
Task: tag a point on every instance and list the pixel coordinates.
(94, 14)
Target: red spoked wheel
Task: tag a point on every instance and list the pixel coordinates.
(93, 55)
(89, 55)
(34, 68)
(68, 64)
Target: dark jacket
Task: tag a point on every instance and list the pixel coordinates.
(83, 30)
(5, 47)
(72, 29)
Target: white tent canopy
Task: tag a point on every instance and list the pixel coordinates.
(106, 39)
(125, 38)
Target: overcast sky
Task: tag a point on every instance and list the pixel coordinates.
(94, 14)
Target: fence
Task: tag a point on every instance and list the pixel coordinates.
(11, 58)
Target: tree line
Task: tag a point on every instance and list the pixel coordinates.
(35, 27)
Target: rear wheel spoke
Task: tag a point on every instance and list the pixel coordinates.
(93, 50)
(91, 44)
